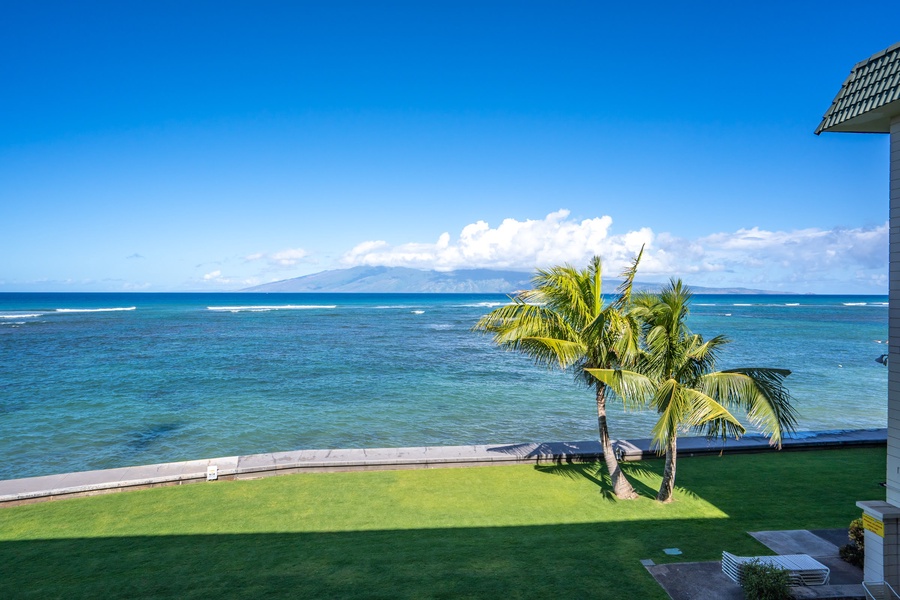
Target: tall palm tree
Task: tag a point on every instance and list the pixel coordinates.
(563, 321)
(688, 393)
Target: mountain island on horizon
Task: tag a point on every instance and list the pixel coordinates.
(380, 280)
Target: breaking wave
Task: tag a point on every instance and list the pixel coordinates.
(93, 310)
(264, 308)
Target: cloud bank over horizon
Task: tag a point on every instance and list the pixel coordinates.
(840, 260)
(814, 260)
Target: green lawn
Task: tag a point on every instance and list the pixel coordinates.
(494, 532)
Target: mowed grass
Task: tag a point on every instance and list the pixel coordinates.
(494, 532)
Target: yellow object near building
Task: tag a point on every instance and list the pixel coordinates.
(872, 524)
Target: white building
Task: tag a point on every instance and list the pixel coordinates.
(869, 102)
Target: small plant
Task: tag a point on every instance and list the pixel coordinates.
(762, 581)
(855, 552)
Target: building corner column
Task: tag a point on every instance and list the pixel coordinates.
(893, 442)
(881, 522)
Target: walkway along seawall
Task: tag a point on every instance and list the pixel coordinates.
(253, 466)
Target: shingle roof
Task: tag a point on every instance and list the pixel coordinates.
(869, 97)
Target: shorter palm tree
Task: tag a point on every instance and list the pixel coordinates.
(687, 391)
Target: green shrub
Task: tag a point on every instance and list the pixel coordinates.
(855, 552)
(762, 581)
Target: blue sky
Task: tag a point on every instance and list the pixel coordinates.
(212, 146)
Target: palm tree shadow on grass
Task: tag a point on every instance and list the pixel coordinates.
(640, 472)
(597, 474)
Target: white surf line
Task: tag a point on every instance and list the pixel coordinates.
(273, 307)
(92, 310)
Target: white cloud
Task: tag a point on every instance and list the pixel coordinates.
(288, 257)
(799, 260)
(859, 253)
(512, 245)
(217, 278)
(253, 269)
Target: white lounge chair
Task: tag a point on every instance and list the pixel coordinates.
(879, 590)
(802, 569)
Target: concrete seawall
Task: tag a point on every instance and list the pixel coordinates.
(88, 483)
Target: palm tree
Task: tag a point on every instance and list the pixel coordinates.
(564, 322)
(687, 390)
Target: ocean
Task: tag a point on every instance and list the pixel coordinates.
(102, 380)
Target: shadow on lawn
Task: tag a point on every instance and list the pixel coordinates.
(597, 474)
(728, 481)
(599, 560)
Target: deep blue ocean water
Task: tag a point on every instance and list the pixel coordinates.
(92, 381)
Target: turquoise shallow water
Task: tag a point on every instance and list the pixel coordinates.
(90, 381)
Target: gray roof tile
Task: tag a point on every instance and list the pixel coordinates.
(872, 85)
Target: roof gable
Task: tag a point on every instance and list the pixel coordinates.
(869, 98)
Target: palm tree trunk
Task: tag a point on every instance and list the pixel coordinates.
(621, 486)
(667, 488)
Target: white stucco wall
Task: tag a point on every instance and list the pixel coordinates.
(893, 450)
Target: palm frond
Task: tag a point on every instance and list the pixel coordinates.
(595, 273)
(547, 350)
(623, 292)
(764, 397)
(706, 351)
(670, 405)
(520, 316)
(534, 330)
(633, 388)
(627, 344)
(683, 406)
(561, 290)
(704, 410)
